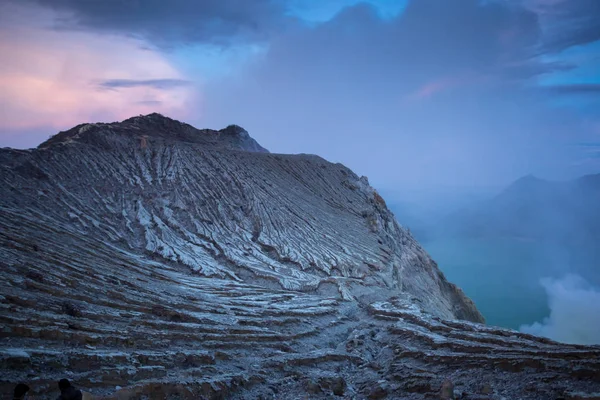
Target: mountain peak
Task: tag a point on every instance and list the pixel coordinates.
(233, 130)
(155, 127)
(153, 115)
(527, 182)
(529, 178)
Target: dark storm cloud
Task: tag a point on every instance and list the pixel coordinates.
(584, 88)
(169, 22)
(153, 83)
(431, 40)
(569, 22)
(433, 47)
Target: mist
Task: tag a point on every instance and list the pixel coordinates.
(527, 255)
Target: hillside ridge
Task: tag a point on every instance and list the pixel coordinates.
(160, 258)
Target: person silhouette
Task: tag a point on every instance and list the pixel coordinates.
(20, 391)
(68, 392)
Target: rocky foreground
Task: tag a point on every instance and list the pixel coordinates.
(149, 259)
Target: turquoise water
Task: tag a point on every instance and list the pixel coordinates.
(502, 276)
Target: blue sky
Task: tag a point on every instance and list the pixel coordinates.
(314, 12)
(419, 95)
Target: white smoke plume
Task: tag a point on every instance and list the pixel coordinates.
(574, 312)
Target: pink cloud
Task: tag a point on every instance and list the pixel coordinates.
(440, 85)
(50, 78)
(431, 88)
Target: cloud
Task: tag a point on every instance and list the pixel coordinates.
(576, 88)
(574, 312)
(150, 102)
(567, 23)
(408, 103)
(49, 79)
(150, 83)
(590, 153)
(169, 22)
(433, 87)
(438, 86)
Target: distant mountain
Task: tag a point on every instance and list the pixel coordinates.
(533, 208)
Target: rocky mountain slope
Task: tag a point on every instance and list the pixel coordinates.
(149, 258)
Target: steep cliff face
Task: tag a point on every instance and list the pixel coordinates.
(164, 259)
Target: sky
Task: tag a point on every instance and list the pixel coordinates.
(418, 95)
